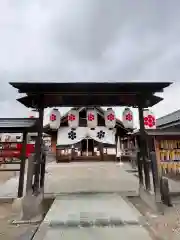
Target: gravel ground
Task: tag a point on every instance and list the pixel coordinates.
(9, 231)
(163, 227)
(4, 176)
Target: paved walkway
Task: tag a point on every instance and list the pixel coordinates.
(81, 177)
(70, 209)
(85, 177)
(96, 216)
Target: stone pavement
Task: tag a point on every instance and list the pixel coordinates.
(85, 177)
(94, 216)
(85, 181)
(105, 233)
(112, 217)
(80, 177)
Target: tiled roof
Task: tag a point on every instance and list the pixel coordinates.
(169, 118)
(16, 123)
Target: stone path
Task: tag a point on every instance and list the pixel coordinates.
(106, 233)
(84, 177)
(94, 216)
(88, 178)
(81, 177)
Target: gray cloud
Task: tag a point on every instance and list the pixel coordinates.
(89, 40)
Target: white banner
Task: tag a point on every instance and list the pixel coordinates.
(67, 136)
(103, 134)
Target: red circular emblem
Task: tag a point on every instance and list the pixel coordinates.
(71, 117)
(111, 117)
(129, 117)
(53, 117)
(149, 121)
(91, 117)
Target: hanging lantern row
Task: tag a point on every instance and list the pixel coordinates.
(73, 119)
(92, 118)
(149, 119)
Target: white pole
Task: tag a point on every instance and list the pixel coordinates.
(119, 151)
(87, 148)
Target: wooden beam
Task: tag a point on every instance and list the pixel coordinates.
(143, 147)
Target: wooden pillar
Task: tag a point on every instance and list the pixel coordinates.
(81, 148)
(42, 170)
(87, 147)
(92, 147)
(140, 168)
(116, 139)
(38, 150)
(143, 148)
(72, 153)
(22, 166)
(54, 142)
(101, 151)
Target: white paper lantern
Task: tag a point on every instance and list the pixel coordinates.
(33, 114)
(73, 119)
(110, 118)
(54, 119)
(92, 118)
(127, 117)
(149, 119)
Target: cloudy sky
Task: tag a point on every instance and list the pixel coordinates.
(89, 40)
